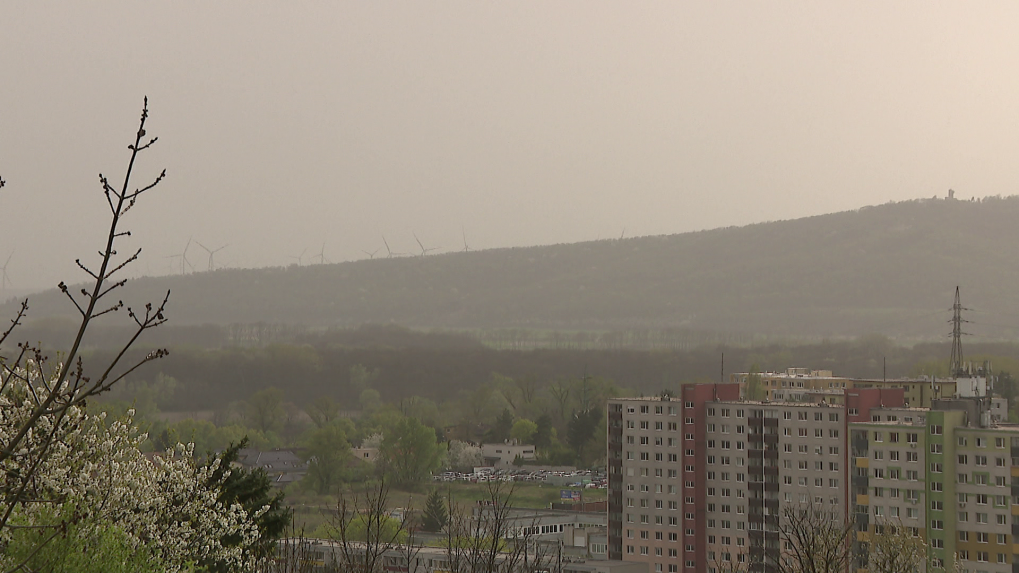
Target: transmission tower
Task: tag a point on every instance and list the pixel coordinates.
(955, 365)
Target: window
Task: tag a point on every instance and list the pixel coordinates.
(935, 430)
(937, 524)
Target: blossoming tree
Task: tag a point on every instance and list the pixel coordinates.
(75, 490)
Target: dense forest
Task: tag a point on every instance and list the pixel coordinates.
(889, 269)
(443, 368)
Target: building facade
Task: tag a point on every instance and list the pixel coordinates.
(699, 483)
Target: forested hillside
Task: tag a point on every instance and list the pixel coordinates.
(888, 269)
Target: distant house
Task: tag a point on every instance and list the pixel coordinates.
(501, 456)
(282, 466)
(365, 454)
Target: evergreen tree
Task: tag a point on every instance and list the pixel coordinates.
(435, 516)
(501, 429)
(252, 489)
(543, 434)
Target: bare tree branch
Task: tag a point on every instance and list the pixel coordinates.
(53, 395)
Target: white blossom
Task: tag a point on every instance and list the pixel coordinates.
(169, 504)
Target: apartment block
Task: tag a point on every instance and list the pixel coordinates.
(946, 474)
(697, 483)
(804, 385)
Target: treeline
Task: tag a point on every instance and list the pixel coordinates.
(210, 379)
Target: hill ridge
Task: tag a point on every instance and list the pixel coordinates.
(847, 273)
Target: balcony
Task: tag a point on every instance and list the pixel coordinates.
(767, 470)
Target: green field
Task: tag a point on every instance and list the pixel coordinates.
(313, 511)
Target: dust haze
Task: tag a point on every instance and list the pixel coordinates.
(305, 133)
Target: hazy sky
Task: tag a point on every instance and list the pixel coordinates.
(287, 125)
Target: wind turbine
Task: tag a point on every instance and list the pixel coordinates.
(322, 255)
(6, 280)
(424, 251)
(371, 255)
(300, 257)
(211, 253)
(464, 233)
(389, 252)
(183, 256)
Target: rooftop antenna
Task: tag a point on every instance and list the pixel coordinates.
(721, 378)
(371, 255)
(424, 251)
(211, 253)
(6, 280)
(955, 364)
(300, 257)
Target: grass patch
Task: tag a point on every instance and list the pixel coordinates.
(312, 510)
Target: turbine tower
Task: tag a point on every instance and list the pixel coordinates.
(5, 281)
